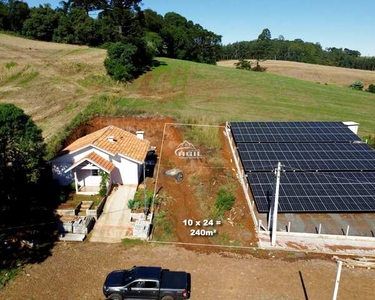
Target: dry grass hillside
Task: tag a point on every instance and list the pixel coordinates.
(54, 82)
(314, 73)
(49, 80)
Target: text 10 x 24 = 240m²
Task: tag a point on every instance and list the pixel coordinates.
(201, 232)
(205, 222)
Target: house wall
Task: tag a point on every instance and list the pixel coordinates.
(126, 171)
(85, 178)
(61, 163)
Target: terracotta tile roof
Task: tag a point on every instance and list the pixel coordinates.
(100, 162)
(97, 160)
(124, 143)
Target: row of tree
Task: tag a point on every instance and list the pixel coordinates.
(117, 21)
(280, 49)
(151, 34)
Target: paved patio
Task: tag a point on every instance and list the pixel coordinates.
(114, 223)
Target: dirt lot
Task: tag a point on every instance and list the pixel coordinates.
(313, 73)
(192, 198)
(77, 271)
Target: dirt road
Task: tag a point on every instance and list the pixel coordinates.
(77, 271)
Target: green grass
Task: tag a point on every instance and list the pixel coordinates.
(71, 106)
(28, 77)
(8, 274)
(191, 90)
(14, 77)
(128, 243)
(210, 94)
(163, 227)
(10, 65)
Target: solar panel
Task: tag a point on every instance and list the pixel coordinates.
(316, 192)
(316, 124)
(307, 156)
(258, 132)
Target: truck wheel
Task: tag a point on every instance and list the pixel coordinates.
(115, 297)
(167, 298)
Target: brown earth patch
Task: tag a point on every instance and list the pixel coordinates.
(78, 270)
(194, 197)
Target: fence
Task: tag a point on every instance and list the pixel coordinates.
(241, 174)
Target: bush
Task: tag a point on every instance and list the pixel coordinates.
(357, 85)
(103, 183)
(371, 88)
(243, 64)
(139, 200)
(224, 200)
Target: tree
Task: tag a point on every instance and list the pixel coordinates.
(265, 35)
(120, 62)
(243, 64)
(22, 151)
(77, 28)
(262, 48)
(18, 12)
(4, 16)
(86, 5)
(128, 19)
(41, 24)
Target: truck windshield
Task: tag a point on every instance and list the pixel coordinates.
(128, 277)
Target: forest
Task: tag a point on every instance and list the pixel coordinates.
(296, 50)
(99, 23)
(73, 22)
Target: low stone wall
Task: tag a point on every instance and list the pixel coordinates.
(96, 212)
(69, 212)
(83, 225)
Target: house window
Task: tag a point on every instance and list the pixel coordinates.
(95, 172)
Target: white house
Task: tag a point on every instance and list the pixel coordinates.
(113, 150)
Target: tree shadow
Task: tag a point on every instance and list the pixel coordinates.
(28, 228)
(303, 285)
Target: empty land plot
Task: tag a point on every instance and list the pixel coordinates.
(77, 271)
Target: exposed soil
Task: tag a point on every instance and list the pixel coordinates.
(78, 270)
(193, 198)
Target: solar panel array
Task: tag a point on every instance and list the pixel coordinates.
(330, 148)
(315, 192)
(292, 132)
(308, 157)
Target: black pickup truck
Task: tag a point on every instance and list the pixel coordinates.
(147, 283)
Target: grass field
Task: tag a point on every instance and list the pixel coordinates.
(54, 82)
(314, 73)
(190, 90)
